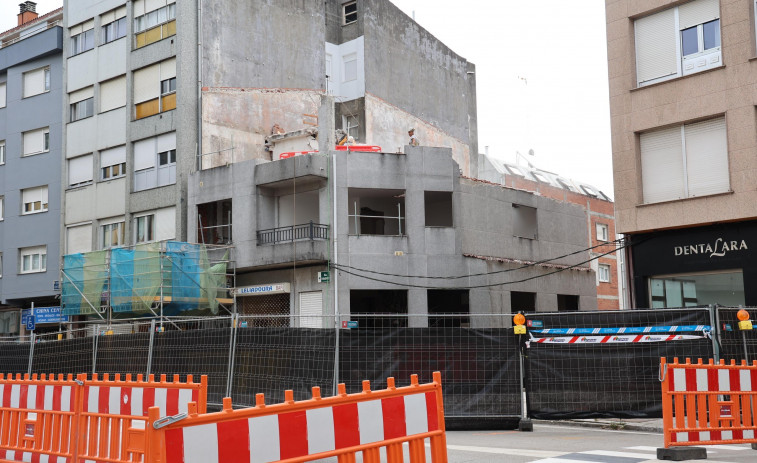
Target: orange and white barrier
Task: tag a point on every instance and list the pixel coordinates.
(339, 426)
(49, 420)
(710, 403)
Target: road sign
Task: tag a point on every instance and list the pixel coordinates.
(324, 277)
(44, 315)
(30, 323)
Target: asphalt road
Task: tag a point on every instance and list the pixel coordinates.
(567, 444)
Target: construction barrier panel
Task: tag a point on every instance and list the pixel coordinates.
(339, 426)
(56, 420)
(705, 404)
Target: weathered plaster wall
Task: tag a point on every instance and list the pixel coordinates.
(387, 125)
(243, 117)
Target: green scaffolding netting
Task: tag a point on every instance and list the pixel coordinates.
(84, 278)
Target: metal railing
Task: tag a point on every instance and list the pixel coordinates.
(308, 231)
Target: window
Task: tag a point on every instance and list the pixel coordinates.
(155, 162)
(603, 233)
(114, 25)
(678, 41)
(603, 273)
(567, 303)
(145, 228)
(113, 94)
(697, 289)
(685, 161)
(450, 307)
(379, 308)
(155, 89)
(36, 141)
(34, 200)
(349, 10)
(438, 206)
(2, 207)
(155, 25)
(82, 109)
(34, 259)
(376, 212)
(80, 170)
(36, 82)
(350, 126)
(350, 67)
(1, 264)
(113, 163)
(2, 94)
(82, 37)
(112, 234)
(522, 301)
(524, 222)
(2, 152)
(79, 238)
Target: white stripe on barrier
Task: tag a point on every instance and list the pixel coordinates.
(682, 437)
(185, 396)
(679, 380)
(201, 444)
(26, 457)
(10, 455)
(15, 395)
(49, 393)
(704, 436)
(416, 417)
(320, 430)
(114, 400)
(749, 434)
(264, 439)
(136, 401)
(160, 400)
(65, 399)
(746, 380)
(2, 392)
(724, 380)
(726, 435)
(93, 399)
(31, 397)
(44, 459)
(702, 380)
(371, 421)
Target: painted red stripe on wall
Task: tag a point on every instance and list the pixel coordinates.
(172, 402)
(431, 411)
(175, 443)
(293, 434)
(234, 441)
(393, 411)
(346, 426)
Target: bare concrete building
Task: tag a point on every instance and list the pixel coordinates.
(682, 103)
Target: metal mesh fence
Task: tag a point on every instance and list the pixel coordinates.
(735, 344)
(75, 355)
(594, 380)
(14, 356)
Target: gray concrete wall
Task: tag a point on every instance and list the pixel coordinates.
(21, 115)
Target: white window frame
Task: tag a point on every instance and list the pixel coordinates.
(603, 232)
(86, 107)
(1, 264)
(107, 229)
(45, 142)
(344, 13)
(111, 30)
(346, 59)
(171, 82)
(2, 152)
(40, 252)
(45, 82)
(43, 206)
(604, 273)
(79, 41)
(3, 94)
(680, 61)
(150, 220)
(83, 182)
(141, 22)
(2, 208)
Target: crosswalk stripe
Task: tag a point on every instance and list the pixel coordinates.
(610, 453)
(503, 451)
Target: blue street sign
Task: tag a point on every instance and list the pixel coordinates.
(44, 315)
(30, 323)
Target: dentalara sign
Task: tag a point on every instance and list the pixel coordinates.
(718, 248)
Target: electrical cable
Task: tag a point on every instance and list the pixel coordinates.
(523, 280)
(532, 264)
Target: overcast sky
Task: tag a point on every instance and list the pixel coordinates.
(541, 72)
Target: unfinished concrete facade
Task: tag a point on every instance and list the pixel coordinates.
(399, 218)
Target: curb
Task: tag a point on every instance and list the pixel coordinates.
(612, 425)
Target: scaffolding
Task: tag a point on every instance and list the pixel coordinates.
(150, 280)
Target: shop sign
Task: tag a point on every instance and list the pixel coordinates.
(273, 288)
(43, 315)
(718, 248)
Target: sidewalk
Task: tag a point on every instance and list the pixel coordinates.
(635, 424)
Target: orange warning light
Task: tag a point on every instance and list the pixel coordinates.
(742, 315)
(519, 319)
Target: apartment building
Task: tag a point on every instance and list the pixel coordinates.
(30, 153)
(598, 208)
(682, 103)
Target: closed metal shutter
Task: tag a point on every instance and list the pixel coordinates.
(662, 174)
(656, 43)
(697, 12)
(707, 157)
(311, 309)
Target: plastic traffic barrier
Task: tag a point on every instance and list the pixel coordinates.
(355, 148)
(341, 426)
(66, 420)
(704, 404)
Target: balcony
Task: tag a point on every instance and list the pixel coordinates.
(308, 231)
